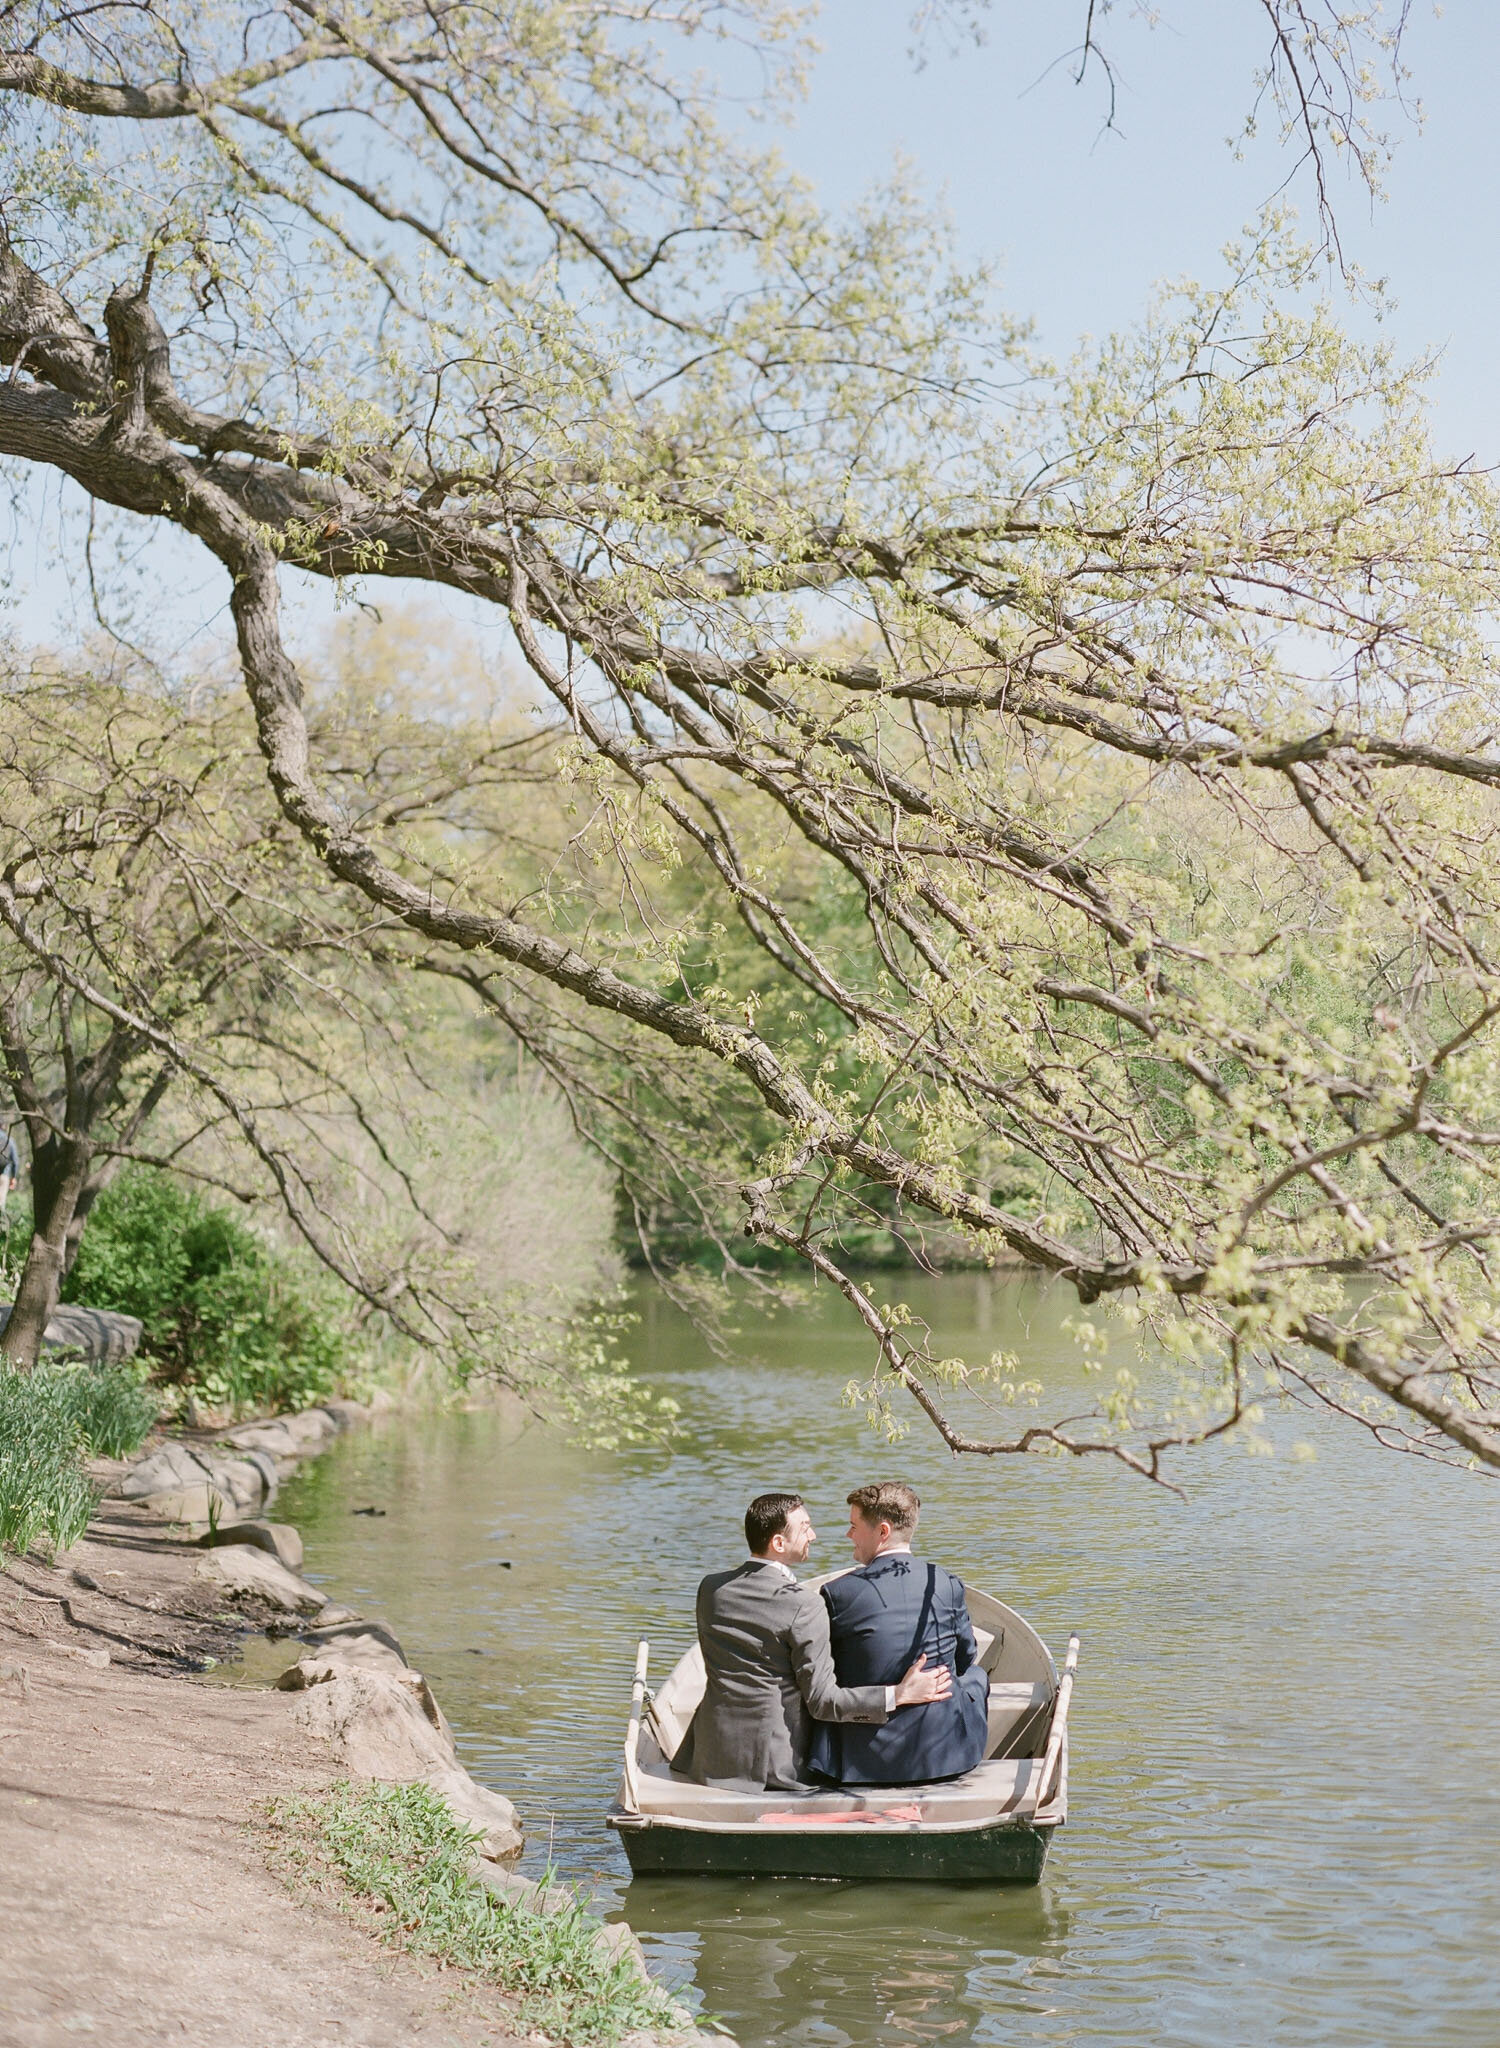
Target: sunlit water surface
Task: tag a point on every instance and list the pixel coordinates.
(1285, 1820)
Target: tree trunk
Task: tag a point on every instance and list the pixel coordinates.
(101, 1172)
(59, 1173)
(65, 1180)
(93, 1187)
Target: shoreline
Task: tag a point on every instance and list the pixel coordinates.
(103, 1652)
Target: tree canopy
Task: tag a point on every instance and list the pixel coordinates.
(1055, 802)
(190, 994)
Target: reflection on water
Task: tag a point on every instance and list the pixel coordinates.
(1285, 1813)
(843, 1963)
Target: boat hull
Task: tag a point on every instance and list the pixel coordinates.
(1005, 1854)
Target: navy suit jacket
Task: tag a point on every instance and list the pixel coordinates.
(880, 1618)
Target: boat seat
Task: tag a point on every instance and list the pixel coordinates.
(981, 1794)
(1019, 1719)
(666, 1726)
(991, 1647)
(670, 1713)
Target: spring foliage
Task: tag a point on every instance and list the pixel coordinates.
(1135, 715)
(226, 1313)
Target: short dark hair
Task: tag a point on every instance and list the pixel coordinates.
(766, 1517)
(888, 1500)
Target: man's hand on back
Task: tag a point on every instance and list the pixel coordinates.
(920, 1685)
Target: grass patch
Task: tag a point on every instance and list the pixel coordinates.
(400, 1851)
(50, 1420)
(46, 1496)
(114, 1406)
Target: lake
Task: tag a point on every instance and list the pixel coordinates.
(1285, 1801)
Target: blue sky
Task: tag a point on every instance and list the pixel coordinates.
(1081, 220)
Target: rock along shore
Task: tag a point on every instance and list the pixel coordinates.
(181, 1561)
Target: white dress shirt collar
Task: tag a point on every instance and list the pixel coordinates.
(774, 1564)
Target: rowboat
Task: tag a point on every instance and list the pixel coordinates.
(993, 1824)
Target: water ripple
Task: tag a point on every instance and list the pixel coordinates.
(1286, 1819)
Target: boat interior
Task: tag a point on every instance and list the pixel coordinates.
(1023, 1690)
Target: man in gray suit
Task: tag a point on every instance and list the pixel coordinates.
(770, 1669)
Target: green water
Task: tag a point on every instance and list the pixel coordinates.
(1285, 1801)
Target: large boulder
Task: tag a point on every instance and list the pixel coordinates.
(279, 1539)
(501, 1836)
(387, 1725)
(344, 1414)
(686, 2036)
(275, 1438)
(190, 1485)
(252, 1574)
(511, 1889)
(353, 1653)
(174, 1465)
(286, 1436)
(379, 1724)
(101, 1335)
(311, 1431)
(331, 1634)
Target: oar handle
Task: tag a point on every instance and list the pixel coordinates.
(631, 1788)
(1059, 1726)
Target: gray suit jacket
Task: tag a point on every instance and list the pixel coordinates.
(770, 1676)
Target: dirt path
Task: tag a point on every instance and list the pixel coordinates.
(136, 1901)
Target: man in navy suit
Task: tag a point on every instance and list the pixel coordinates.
(890, 1610)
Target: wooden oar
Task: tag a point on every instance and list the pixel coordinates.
(1059, 1726)
(631, 1788)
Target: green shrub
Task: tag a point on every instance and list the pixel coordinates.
(46, 1496)
(225, 1313)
